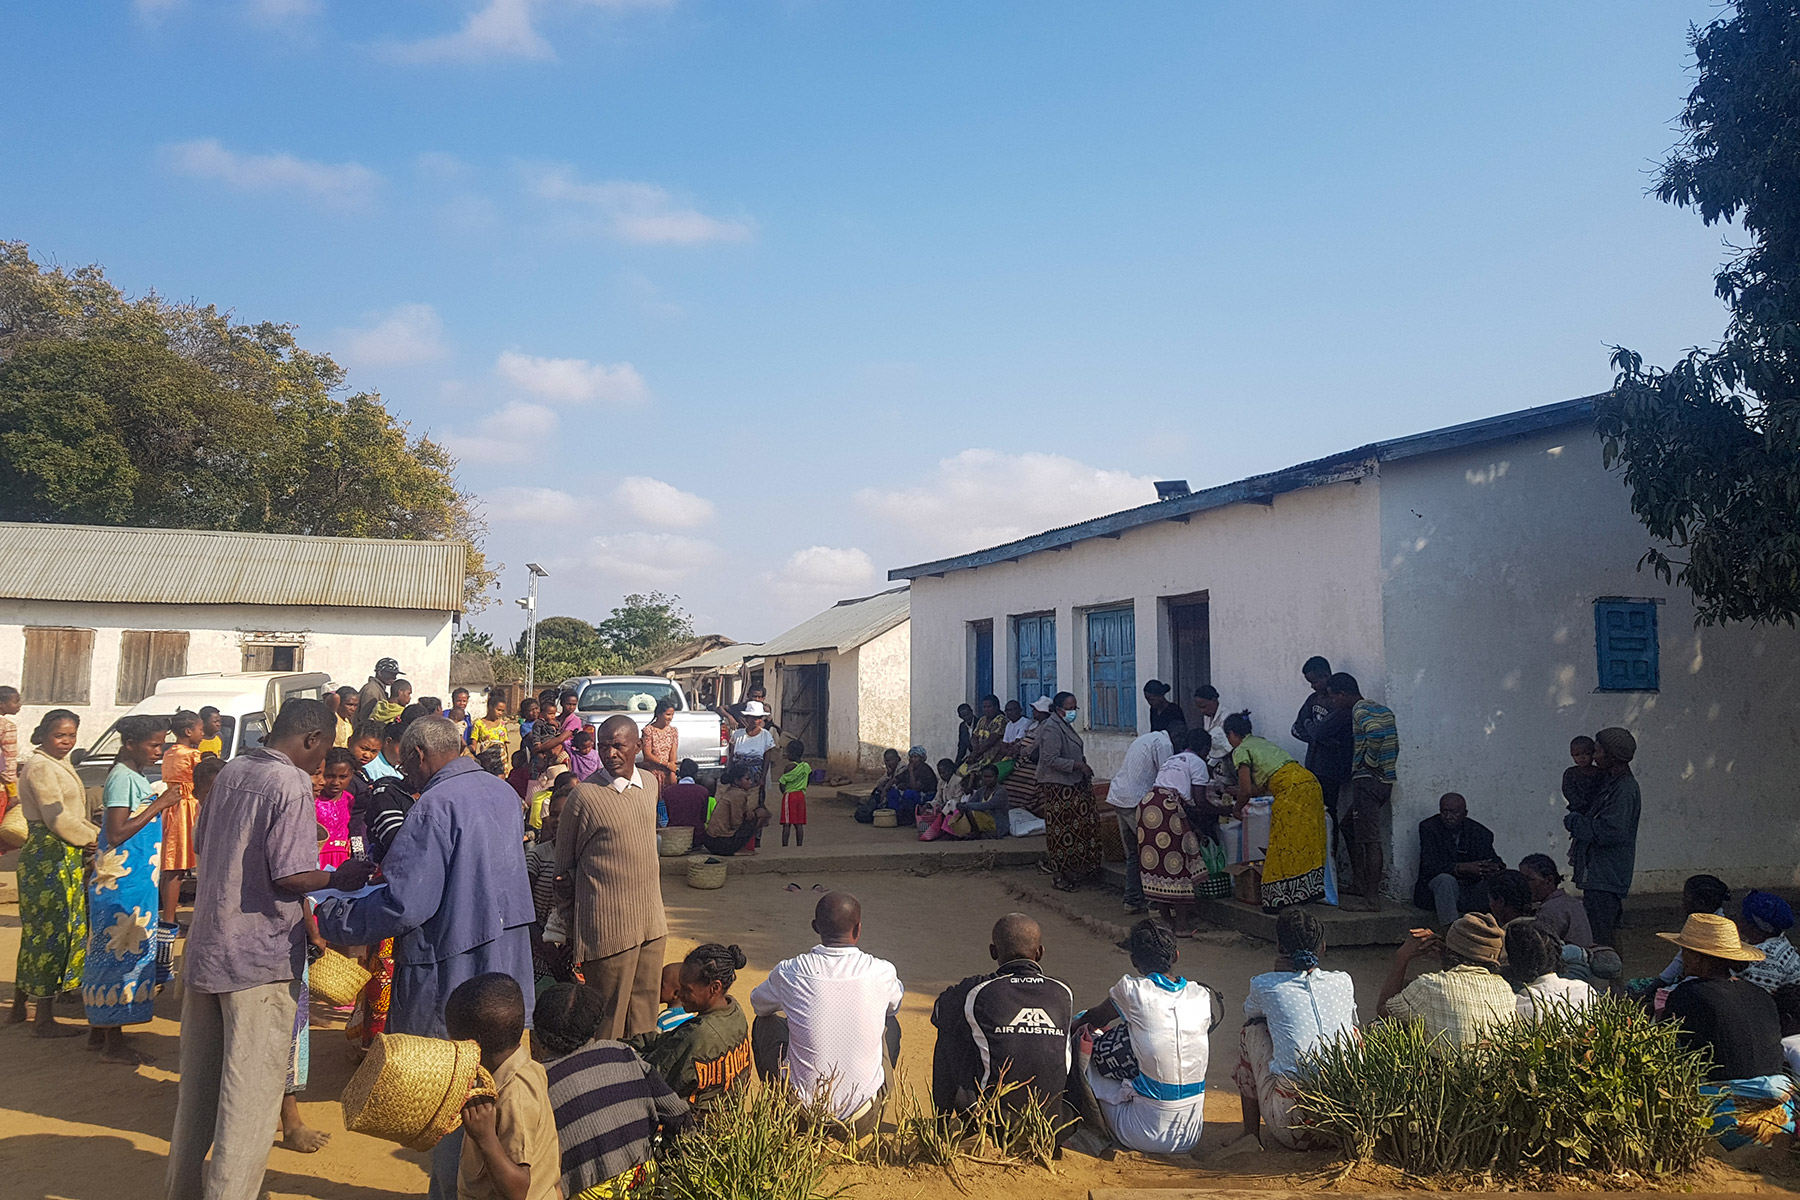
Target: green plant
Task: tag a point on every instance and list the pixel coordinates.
(1003, 1128)
(760, 1143)
(1602, 1089)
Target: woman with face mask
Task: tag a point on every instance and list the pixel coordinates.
(1072, 842)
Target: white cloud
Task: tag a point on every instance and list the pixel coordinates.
(339, 185)
(825, 569)
(498, 29)
(633, 560)
(512, 435)
(572, 380)
(657, 503)
(642, 213)
(528, 504)
(403, 336)
(984, 497)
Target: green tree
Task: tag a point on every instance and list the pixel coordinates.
(474, 641)
(117, 411)
(642, 626)
(1711, 445)
(569, 646)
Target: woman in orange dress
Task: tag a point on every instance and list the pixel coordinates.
(178, 764)
(662, 744)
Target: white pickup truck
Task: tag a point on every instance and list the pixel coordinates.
(601, 697)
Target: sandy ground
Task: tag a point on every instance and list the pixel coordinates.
(73, 1127)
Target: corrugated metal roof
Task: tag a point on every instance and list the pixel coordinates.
(723, 658)
(1349, 464)
(845, 625)
(191, 566)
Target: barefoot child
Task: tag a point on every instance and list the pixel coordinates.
(510, 1150)
(296, 1134)
(793, 783)
(178, 831)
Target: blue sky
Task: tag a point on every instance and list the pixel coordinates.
(752, 301)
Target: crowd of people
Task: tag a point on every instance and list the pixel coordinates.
(488, 894)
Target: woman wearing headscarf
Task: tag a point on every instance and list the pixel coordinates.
(1294, 867)
(53, 925)
(1071, 839)
(1764, 921)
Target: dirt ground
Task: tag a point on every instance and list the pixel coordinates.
(73, 1127)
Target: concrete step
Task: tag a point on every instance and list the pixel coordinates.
(1388, 927)
(923, 856)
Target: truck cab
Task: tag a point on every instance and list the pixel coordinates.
(601, 697)
(247, 705)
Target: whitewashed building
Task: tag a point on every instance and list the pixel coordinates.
(92, 617)
(840, 681)
(1481, 580)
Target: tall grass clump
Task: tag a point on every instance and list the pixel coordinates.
(1602, 1089)
(760, 1143)
(1005, 1127)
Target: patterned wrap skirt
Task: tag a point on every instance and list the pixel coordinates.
(1168, 849)
(118, 981)
(52, 915)
(1294, 870)
(1071, 838)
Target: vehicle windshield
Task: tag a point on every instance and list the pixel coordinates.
(626, 697)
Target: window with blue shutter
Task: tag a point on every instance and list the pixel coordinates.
(1112, 670)
(1625, 645)
(984, 662)
(1036, 639)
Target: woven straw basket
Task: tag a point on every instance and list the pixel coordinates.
(336, 979)
(706, 874)
(676, 841)
(411, 1089)
(886, 818)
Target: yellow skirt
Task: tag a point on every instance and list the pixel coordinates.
(1294, 871)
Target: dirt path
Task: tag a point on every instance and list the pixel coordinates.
(73, 1127)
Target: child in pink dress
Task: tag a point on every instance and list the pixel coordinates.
(331, 801)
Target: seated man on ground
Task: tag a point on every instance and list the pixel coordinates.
(1557, 911)
(1534, 961)
(739, 816)
(838, 1031)
(1739, 1025)
(1010, 1025)
(1509, 897)
(1143, 1080)
(685, 799)
(891, 763)
(1456, 859)
(1291, 1011)
(1467, 997)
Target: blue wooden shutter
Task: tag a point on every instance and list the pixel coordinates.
(1112, 669)
(984, 663)
(1625, 645)
(1036, 637)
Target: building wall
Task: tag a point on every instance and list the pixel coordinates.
(1284, 581)
(884, 690)
(343, 642)
(840, 701)
(1491, 561)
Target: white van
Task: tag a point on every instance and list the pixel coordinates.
(247, 704)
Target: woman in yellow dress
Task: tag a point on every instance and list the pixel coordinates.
(1294, 868)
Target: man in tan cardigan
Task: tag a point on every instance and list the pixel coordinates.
(606, 853)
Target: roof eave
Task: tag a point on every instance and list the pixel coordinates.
(1338, 468)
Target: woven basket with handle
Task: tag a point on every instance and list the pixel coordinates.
(706, 874)
(336, 979)
(676, 840)
(412, 1089)
(886, 818)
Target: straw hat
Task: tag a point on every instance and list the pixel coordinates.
(412, 1089)
(1711, 934)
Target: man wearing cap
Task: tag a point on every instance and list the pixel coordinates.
(376, 690)
(1465, 999)
(1605, 834)
(1732, 1019)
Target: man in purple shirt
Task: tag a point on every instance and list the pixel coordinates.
(258, 856)
(457, 901)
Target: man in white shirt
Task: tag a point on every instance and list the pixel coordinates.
(1143, 759)
(839, 1004)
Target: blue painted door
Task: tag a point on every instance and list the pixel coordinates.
(1112, 669)
(984, 662)
(1037, 657)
